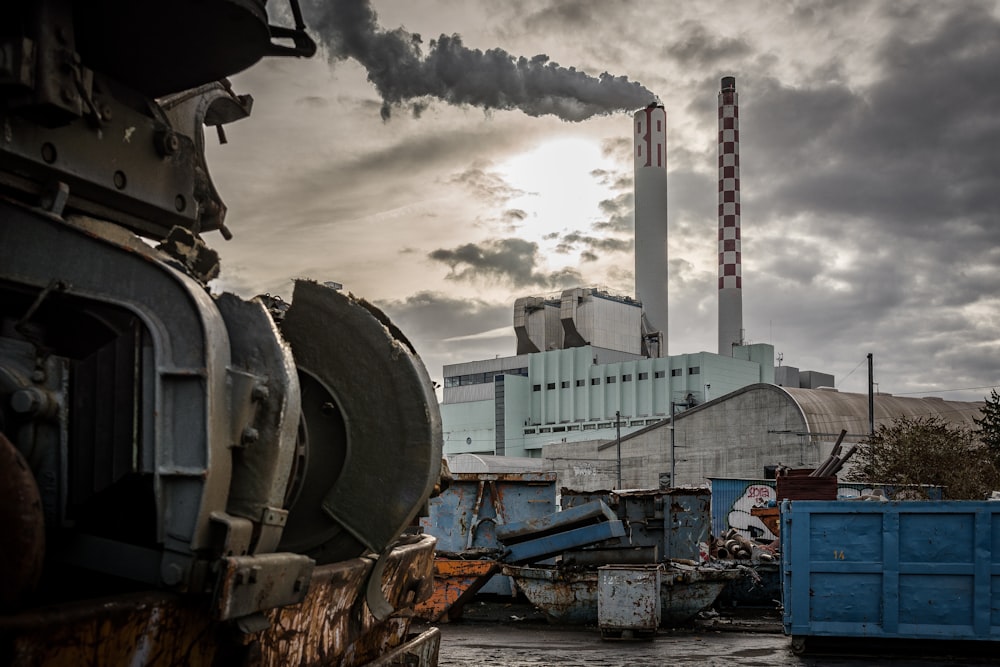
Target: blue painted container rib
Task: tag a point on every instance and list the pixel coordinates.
(908, 570)
(550, 545)
(595, 511)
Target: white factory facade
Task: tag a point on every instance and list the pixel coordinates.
(514, 406)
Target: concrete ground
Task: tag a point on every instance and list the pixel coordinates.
(506, 634)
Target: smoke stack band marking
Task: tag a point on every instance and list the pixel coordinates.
(730, 250)
(645, 131)
(730, 274)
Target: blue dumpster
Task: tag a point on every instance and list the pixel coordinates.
(888, 570)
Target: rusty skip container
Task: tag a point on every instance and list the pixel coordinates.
(926, 570)
(675, 521)
(628, 601)
(464, 518)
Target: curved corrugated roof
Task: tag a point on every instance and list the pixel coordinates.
(827, 411)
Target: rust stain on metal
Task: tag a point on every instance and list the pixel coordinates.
(455, 582)
(332, 626)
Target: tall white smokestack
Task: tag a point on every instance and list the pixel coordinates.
(651, 225)
(730, 271)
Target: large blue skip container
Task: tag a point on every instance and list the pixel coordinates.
(904, 569)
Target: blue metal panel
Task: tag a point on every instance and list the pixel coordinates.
(558, 521)
(550, 545)
(912, 569)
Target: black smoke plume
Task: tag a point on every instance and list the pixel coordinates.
(450, 71)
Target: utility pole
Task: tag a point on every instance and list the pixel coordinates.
(871, 395)
(618, 428)
(673, 412)
(673, 430)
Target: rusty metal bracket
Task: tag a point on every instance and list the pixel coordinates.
(249, 584)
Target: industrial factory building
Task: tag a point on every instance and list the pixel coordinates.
(741, 435)
(591, 366)
(513, 406)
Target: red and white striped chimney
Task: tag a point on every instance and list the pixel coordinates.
(730, 272)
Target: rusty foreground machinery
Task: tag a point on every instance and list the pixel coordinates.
(187, 478)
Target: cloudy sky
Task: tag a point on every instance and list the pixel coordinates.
(443, 157)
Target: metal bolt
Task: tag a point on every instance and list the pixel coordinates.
(180, 203)
(49, 152)
(250, 436)
(120, 180)
(260, 392)
(105, 113)
(328, 409)
(167, 142)
(30, 401)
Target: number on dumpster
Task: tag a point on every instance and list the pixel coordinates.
(838, 555)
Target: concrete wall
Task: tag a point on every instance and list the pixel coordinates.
(733, 436)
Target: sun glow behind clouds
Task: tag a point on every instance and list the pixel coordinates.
(561, 195)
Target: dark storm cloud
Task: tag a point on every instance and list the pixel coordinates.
(700, 48)
(448, 330)
(592, 244)
(427, 315)
(509, 260)
(620, 212)
(881, 199)
(915, 148)
(492, 79)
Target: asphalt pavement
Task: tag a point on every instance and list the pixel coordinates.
(505, 634)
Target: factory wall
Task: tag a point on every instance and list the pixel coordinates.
(470, 427)
(566, 396)
(513, 413)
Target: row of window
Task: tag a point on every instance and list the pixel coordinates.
(481, 378)
(586, 427)
(612, 379)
